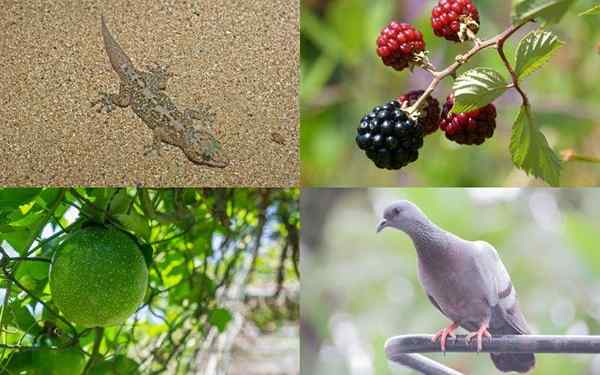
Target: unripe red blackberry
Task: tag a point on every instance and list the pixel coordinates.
(389, 137)
(398, 44)
(431, 109)
(470, 128)
(448, 15)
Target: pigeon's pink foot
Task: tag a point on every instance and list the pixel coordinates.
(482, 331)
(443, 333)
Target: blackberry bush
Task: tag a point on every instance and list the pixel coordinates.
(389, 137)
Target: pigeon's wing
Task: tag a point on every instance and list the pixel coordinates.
(434, 303)
(507, 317)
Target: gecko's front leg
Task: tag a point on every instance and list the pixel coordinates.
(107, 101)
(158, 75)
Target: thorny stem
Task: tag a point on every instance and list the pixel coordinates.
(497, 42)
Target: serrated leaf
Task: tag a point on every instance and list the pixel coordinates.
(551, 11)
(590, 12)
(477, 88)
(535, 50)
(530, 150)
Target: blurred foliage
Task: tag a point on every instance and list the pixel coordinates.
(360, 288)
(195, 242)
(343, 78)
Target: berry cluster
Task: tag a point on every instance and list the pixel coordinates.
(392, 134)
(471, 128)
(398, 44)
(448, 16)
(430, 115)
(389, 137)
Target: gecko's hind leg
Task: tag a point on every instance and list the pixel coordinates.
(201, 113)
(156, 145)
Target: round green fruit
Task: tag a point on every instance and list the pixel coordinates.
(98, 277)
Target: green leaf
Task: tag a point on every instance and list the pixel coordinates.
(135, 223)
(530, 150)
(551, 11)
(117, 365)
(19, 316)
(147, 252)
(590, 12)
(220, 318)
(13, 198)
(477, 88)
(535, 50)
(35, 269)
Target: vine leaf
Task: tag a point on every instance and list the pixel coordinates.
(551, 11)
(592, 11)
(220, 318)
(535, 50)
(530, 150)
(477, 88)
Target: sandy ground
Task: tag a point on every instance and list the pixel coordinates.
(240, 57)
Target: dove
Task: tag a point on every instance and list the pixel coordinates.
(466, 281)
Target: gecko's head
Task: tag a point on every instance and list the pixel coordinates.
(400, 215)
(204, 148)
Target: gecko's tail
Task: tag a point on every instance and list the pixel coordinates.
(115, 53)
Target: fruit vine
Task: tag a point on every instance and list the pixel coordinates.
(194, 242)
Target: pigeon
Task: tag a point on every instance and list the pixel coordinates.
(466, 281)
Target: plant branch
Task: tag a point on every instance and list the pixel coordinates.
(496, 41)
(95, 349)
(571, 155)
(513, 74)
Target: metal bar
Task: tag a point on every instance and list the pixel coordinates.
(423, 364)
(497, 344)
(399, 349)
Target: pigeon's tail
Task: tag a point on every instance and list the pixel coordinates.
(519, 362)
(506, 362)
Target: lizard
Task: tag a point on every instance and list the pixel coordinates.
(144, 92)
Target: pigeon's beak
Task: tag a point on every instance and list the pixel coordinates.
(382, 224)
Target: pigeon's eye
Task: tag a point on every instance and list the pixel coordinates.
(396, 211)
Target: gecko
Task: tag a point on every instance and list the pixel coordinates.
(143, 91)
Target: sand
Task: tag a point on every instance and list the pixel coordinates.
(240, 58)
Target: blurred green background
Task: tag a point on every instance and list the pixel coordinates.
(359, 288)
(343, 78)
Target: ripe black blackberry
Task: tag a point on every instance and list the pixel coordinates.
(398, 44)
(431, 118)
(389, 137)
(448, 15)
(470, 128)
